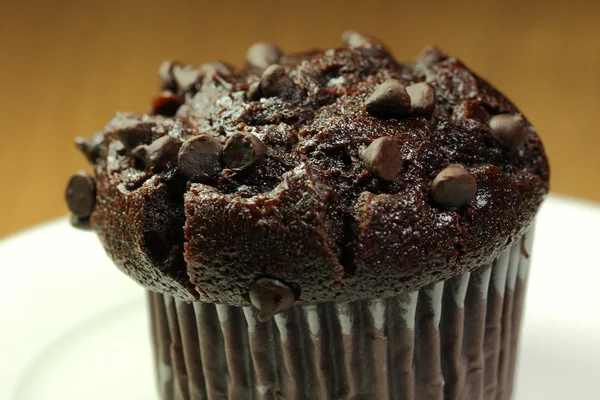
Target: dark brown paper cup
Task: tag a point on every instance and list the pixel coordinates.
(455, 339)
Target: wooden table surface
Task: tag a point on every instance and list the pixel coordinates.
(67, 66)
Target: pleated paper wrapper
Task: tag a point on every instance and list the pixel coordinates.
(455, 339)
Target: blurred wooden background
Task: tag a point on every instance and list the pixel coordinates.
(67, 66)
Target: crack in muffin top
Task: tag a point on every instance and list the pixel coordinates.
(338, 175)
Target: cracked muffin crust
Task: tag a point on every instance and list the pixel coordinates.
(340, 174)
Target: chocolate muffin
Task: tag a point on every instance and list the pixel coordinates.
(324, 225)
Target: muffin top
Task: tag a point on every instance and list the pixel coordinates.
(330, 175)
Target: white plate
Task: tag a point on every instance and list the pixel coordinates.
(74, 328)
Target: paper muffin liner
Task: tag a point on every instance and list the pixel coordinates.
(455, 339)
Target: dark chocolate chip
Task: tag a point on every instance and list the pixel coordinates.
(186, 78)
(166, 104)
(382, 158)
(271, 296)
(243, 150)
(135, 134)
(91, 147)
(429, 57)
(389, 100)
(81, 194)
(200, 158)
(509, 129)
(161, 153)
(80, 223)
(275, 81)
(165, 73)
(261, 55)
(218, 67)
(355, 39)
(213, 69)
(454, 186)
(422, 98)
(254, 92)
(140, 155)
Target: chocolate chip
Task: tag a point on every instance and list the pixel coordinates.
(214, 68)
(454, 186)
(140, 155)
(81, 194)
(80, 223)
(389, 100)
(355, 40)
(243, 150)
(275, 81)
(200, 158)
(186, 77)
(161, 153)
(382, 158)
(166, 104)
(165, 73)
(261, 55)
(429, 56)
(509, 129)
(422, 98)
(135, 134)
(254, 92)
(91, 147)
(271, 296)
(218, 67)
